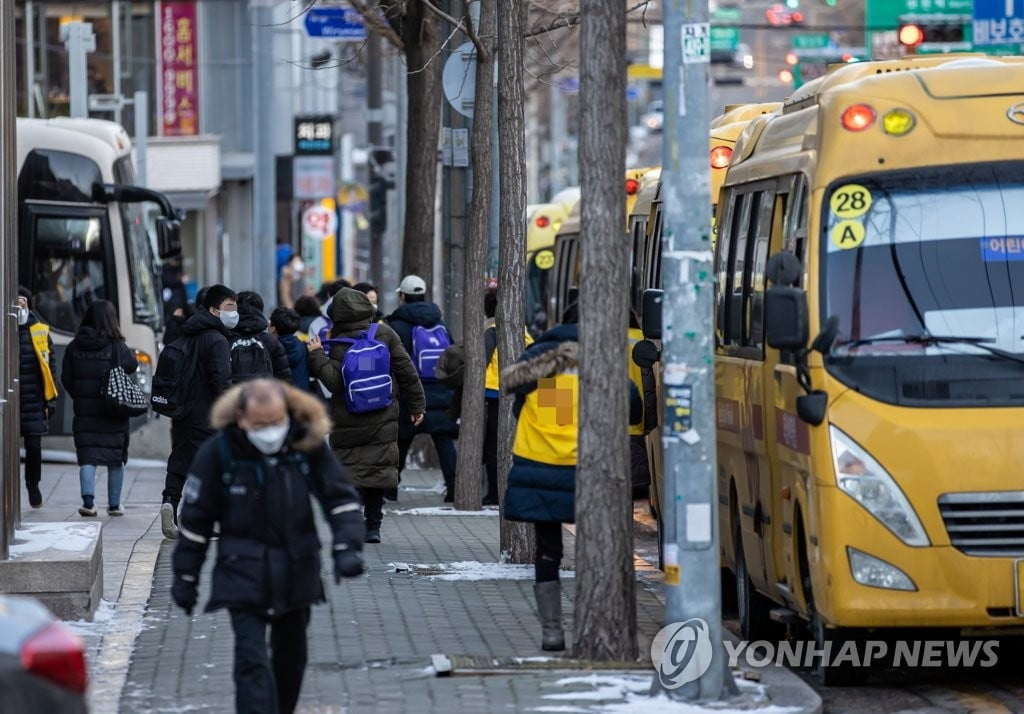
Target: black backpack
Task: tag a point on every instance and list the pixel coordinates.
(176, 371)
(250, 359)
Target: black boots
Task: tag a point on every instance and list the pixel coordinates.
(549, 607)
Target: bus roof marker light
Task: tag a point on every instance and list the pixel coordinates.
(632, 186)
(858, 117)
(542, 221)
(898, 122)
(720, 156)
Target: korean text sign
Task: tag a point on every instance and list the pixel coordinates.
(177, 68)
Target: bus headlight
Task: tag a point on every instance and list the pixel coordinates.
(864, 479)
(876, 573)
(144, 374)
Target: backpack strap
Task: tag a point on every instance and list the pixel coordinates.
(372, 332)
(227, 459)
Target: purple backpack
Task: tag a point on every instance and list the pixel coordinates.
(428, 343)
(366, 370)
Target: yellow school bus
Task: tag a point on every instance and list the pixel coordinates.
(543, 222)
(870, 479)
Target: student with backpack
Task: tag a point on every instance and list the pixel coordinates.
(425, 337)
(284, 325)
(255, 352)
(369, 373)
(190, 374)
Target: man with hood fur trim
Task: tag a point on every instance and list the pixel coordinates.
(542, 481)
(255, 477)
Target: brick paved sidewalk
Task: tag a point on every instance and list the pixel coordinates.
(371, 643)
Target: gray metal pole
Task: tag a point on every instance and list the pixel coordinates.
(264, 279)
(79, 40)
(10, 470)
(30, 58)
(690, 508)
(396, 199)
(141, 105)
(115, 40)
(375, 139)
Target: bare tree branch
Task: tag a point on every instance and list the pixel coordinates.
(381, 27)
(482, 52)
(442, 48)
(568, 21)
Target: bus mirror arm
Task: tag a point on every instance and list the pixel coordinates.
(811, 406)
(136, 194)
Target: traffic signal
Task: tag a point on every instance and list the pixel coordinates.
(378, 213)
(921, 31)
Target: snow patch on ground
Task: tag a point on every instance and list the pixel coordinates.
(37, 537)
(626, 694)
(441, 511)
(473, 570)
(105, 612)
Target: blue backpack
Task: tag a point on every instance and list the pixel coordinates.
(366, 370)
(428, 344)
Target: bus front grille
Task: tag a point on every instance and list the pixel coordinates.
(985, 524)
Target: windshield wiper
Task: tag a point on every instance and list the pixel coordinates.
(925, 338)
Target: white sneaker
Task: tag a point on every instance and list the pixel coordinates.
(167, 521)
(115, 511)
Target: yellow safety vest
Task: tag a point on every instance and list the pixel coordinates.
(635, 376)
(491, 379)
(40, 335)
(548, 427)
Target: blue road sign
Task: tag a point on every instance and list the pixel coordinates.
(632, 92)
(336, 23)
(998, 22)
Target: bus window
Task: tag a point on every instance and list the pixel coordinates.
(735, 267)
(795, 237)
(68, 268)
(753, 278)
(57, 176)
(146, 296)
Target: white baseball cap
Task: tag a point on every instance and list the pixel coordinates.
(412, 285)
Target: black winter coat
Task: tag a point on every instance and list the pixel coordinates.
(252, 323)
(268, 555)
(402, 321)
(30, 380)
(100, 440)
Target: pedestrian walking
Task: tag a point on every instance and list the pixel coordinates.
(365, 434)
(284, 324)
(174, 324)
(542, 481)
(255, 477)
(100, 438)
(425, 337)
(208, 333)
(37, 390)
(308, 308)
(254, 351)
(370, 290)
(322, 324)
(292, 281)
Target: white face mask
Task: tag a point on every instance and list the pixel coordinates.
(229, 319)
(269, 439)
(299, 267)
(22, 315)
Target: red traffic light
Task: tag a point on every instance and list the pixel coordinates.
(911, 35)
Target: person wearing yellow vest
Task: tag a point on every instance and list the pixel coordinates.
(491, 393)
(542, 482)
(38, 390)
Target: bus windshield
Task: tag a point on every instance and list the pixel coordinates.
(146, 304)
(934, 253)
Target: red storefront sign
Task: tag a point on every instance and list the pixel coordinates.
(177, 68)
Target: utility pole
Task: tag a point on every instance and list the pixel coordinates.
(10, 468)
(690, 508)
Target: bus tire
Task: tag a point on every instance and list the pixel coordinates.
(753, 609)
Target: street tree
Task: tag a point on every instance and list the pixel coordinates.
(471, 431)
(516, 538)
(605, 609)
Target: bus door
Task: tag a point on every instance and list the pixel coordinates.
(66, 261)
(566, 273)
(748, 487)
(788, 434)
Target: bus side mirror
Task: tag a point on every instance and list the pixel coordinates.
(651, 323)
(786, 321)
(168, 237)
(646, 354)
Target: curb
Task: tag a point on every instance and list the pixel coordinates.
(785, 689)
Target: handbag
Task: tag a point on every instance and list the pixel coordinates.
(120, 393)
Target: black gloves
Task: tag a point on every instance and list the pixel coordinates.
(348, 563)
(184, 594)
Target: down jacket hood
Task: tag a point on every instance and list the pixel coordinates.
(547, 363)
(89, 340)
(250, 321)
(351, 310)
(427, 314)
(310, 423)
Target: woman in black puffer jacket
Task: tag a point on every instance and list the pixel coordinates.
(100, 440)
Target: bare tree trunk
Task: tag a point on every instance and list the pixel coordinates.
(605, 627)
(468, 494)
(516, 538)
(424, 63)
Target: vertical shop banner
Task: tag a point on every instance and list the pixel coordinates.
(177, 68)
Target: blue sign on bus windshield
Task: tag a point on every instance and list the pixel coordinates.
(998, 249)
